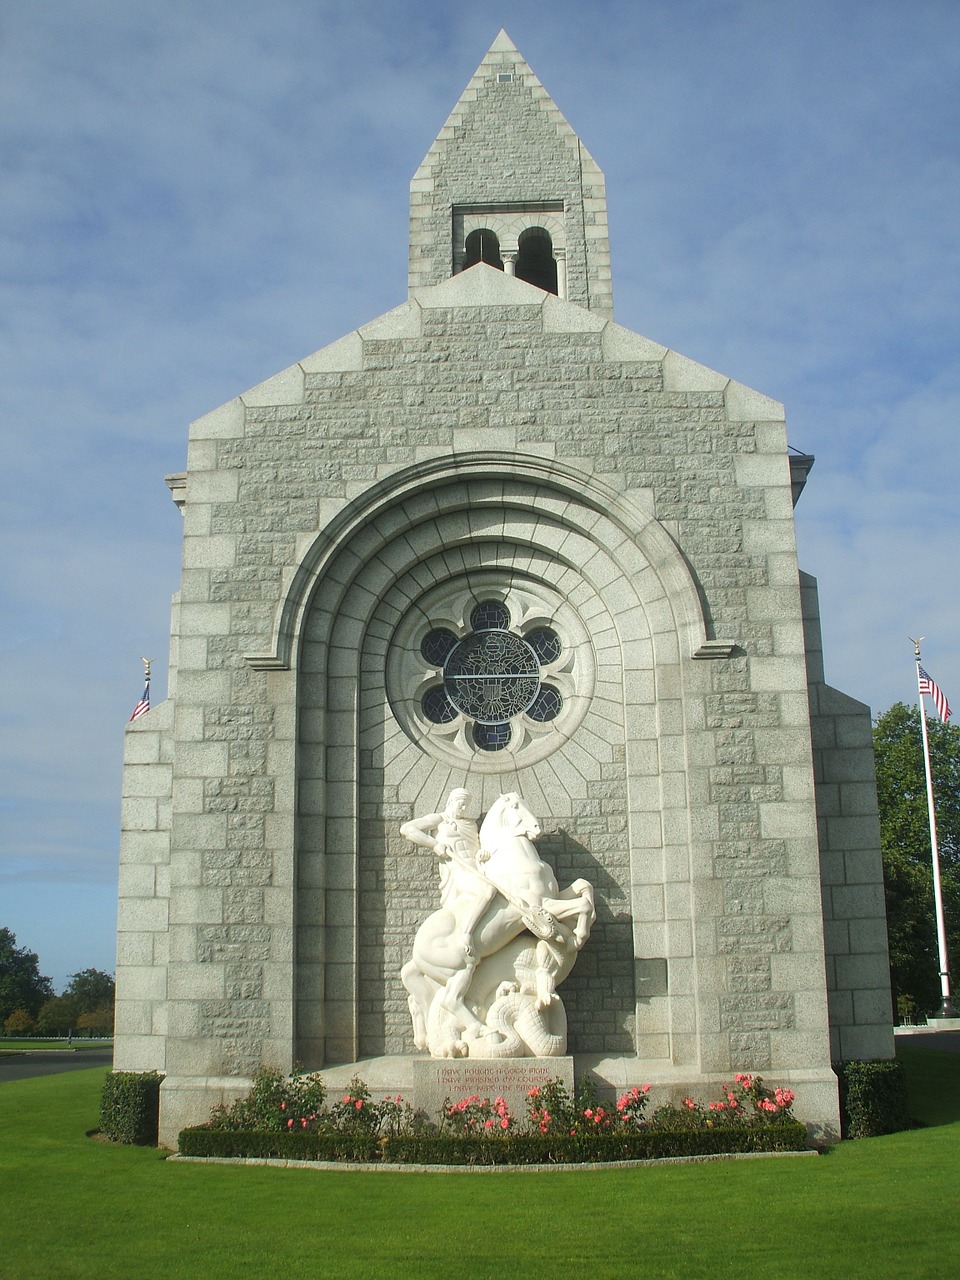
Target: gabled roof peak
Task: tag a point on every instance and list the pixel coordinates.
(503, 44)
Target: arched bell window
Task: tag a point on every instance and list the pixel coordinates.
(535, 263)
(482, 246)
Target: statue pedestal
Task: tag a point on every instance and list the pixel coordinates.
(435, 1079)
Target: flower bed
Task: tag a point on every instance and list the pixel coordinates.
(288, 1118)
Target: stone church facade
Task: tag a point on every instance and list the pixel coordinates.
(497, 454)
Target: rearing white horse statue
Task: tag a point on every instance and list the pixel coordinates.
(482, 978)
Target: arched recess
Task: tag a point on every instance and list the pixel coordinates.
(482, 245)
(535, 262)
(362, 768)
(372, 519)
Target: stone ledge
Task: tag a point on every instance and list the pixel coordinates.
(338, 1166)
(717, 649)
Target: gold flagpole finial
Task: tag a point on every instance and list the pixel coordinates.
(146, 667)
(916, 644)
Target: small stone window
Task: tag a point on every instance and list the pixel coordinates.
(436, 646)
(545, 643)
(547, 705)
(437, 707)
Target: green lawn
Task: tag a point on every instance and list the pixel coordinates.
(884, 1207)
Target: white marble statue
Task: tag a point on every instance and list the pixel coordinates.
(484, 970)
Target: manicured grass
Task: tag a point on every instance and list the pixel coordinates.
(17, 1045)
(70, 1207)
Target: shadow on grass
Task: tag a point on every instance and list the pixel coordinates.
(933, 1083)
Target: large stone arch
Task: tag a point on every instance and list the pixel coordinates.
(607, 789)
(373, 517)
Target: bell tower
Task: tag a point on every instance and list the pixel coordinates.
(509, 183)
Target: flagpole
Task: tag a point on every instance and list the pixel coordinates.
(946, 1007)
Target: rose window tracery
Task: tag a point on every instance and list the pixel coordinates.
(491, 676)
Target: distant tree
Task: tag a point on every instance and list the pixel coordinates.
(92, 989)
(20, 1023)
(98, 1022)
(58, 1016)
(22, 986)
(905, 842)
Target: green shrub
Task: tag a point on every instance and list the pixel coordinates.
(285, 1118)
(98, 1022)
(20, 1023)
(511, 1148)
(873, 1098)
(58, 1015)
(130, 1107)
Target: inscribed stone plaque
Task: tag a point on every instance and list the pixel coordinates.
(435, 1079)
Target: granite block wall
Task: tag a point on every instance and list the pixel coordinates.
(549, 456)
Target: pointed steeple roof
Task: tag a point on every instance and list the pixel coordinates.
(506, 149)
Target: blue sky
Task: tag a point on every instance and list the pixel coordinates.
(198, 194)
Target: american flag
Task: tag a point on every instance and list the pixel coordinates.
(143, 706)
(930, 687)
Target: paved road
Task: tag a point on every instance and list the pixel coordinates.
(25, 1066)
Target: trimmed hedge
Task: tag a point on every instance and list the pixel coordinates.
(130, 1107)
(873, 1098)
(431, 1148)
